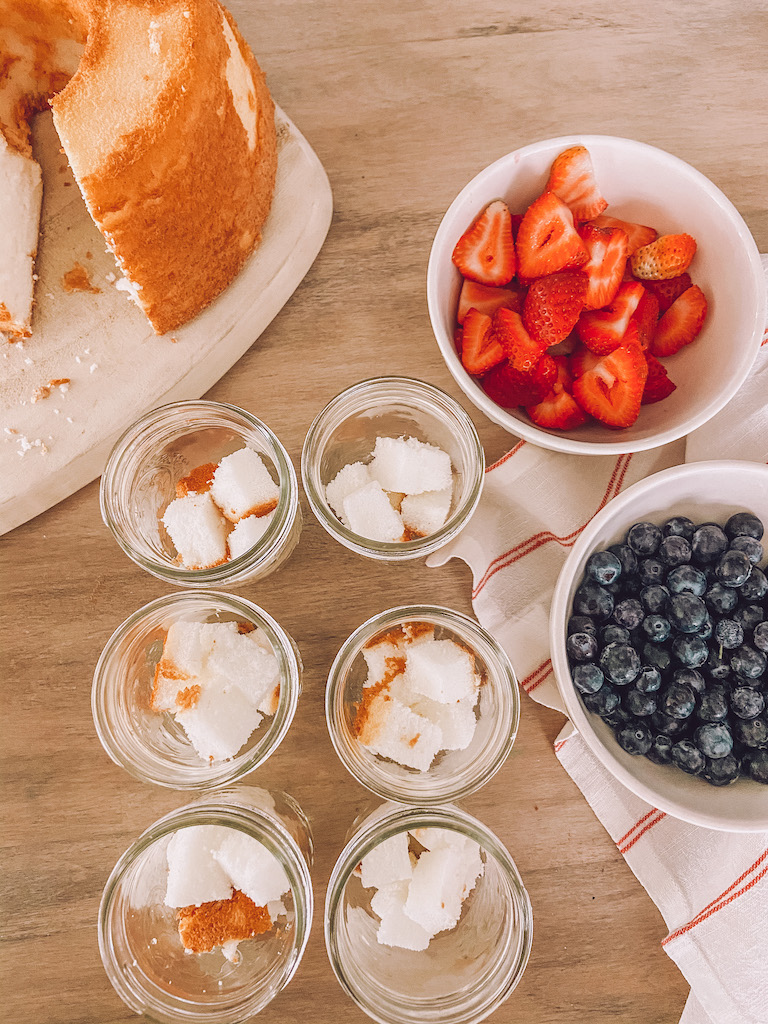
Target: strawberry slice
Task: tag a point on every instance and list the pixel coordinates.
(581, 360)
(602, 330)
(509, 387)
(611, 390)
(645, 318)
(486, 251)
(552, 306)
(668, 290)
(637, 234)
(480, 349)
(572, 179)
(607, 248)
(657, 385)
(522, 351)
(558, 410)
(486, 299)
(668, 256)
(546, 240)
(681, 322)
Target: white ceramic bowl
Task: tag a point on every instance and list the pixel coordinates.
(704, 491)
(648, 186)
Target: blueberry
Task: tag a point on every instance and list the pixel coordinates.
(752, 548)
(716, 666)
(644, 538)
(705, 630)
(654, 599)
(686, 755)
(678, 526)
(639, 704)
(635, 738)
(581, 647)
(603, 567)
(756, 587)
(729, 634)
(621, 663)
(691, 651)
(612, 634)
(616, 717)
(686, 612)
(656, 628)
(748, 616)
(657, 656)
(687, 579)
(603, 702)
(626, 557)
(721, 600)
(760, 637)
(587, 678)
(746, 702)
(661, 749)
(744, 524)
(733, 568)
(581, 624)
(708, 543)
(751, 732)
(714, 740)
(650, 571)
(674, 551)
(677, 701)
(649, 679)
(691, 678)
(713, 705)
(593, 600)
(630, 586)
(669, 726)
(748, 662)
(628, 613)
(721, 771)
(757, 765)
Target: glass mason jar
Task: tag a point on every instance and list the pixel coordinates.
(466, 972)
(139, 939)
(346, 430)
(152, 745)
(454, 773)
(166, 445)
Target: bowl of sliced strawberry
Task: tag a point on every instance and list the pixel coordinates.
(596, 295)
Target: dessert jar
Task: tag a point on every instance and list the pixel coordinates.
(152, 745)
(345, 432)
(453, 774)
(165, 446)
(138, 934)
(465, 973)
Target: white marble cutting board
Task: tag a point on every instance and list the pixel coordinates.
(117, 366)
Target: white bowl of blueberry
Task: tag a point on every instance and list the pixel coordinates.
(659, 635)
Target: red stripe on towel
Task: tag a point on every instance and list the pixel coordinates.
(645, 817)
(638, 835)
(504, 458)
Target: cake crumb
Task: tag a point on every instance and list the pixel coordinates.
(212, 924)
(77, 280)
(45, 389)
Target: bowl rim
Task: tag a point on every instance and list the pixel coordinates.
(443, 241)
(559, 610)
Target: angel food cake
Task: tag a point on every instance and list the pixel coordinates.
(168, 126)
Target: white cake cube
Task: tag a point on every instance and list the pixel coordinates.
(197, 530)
(185, 652)
(418, 632)
(242, 485)
(384, 659)
(435, 890)
(396, 929)
(369, 514)
(467, 854)
(442, 671)
(410, 466)
(247, 532)
(472, 867)
(456, 721)
(388, 862)
(393, 730)
(426, 513)
(220, 723)
(194, 875)
(349, 479)
(252, 868)
(270, 702)
(237, 661)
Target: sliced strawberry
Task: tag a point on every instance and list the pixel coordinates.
(581, 360)
(602, 330)
(458, 338)
(657, 385)
(486, 299)
(668, 290)
(637, 234)
(480, 349)
(517, 220)
(546, 240)
(681, 322)
(552, 306)
(668, 256)
(486, 251)
(558, 410)
(510, 388)
(611, 390)
(646, 317)
(607, 248)
(522, 351)
(572, 179)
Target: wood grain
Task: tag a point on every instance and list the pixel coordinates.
(403, 103)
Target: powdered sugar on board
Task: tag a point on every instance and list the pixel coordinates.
(116, 367)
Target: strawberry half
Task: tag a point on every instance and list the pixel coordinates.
(602, 330)
(558, 410)
(607, 248)
(668, 256)
(638, 235)
(510, 388)
(581, 360)
(681, 322)
(646, 317)
(486, 251)
(657, 385)
(480, 349)
(552, 306)
(522, 351)
(486, 299)
(668, 290)
(611, 390)
(572, 179)
(546, 240)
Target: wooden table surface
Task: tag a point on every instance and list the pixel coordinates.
(404, 103)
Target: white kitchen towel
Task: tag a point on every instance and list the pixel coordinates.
(711, 887)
